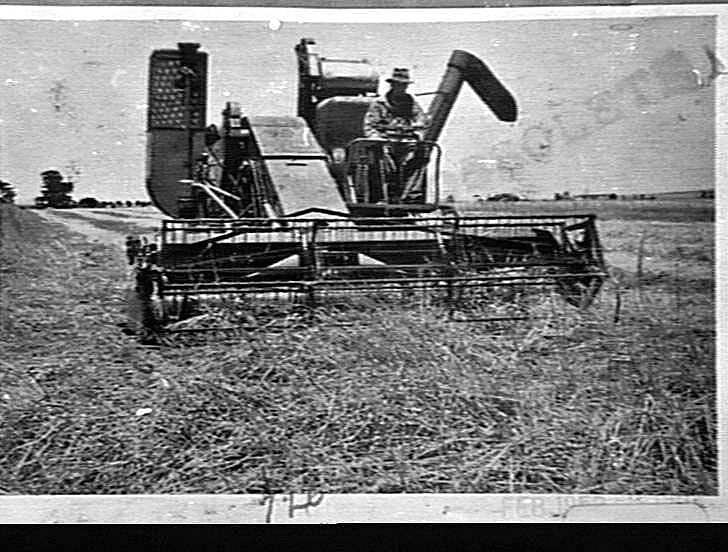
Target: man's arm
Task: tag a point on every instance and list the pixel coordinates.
(419, 119)
(374, 118)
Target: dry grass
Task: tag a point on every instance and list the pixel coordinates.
(567, 403)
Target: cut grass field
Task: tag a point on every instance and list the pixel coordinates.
(569, 403)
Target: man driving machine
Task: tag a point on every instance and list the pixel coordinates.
(399, 119)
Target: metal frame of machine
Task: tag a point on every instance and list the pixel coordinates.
(302, 209)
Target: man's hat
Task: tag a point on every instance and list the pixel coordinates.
(400, 74)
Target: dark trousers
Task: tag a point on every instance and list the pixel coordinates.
(404, 172)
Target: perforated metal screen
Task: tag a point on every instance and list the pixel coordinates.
(167, 91)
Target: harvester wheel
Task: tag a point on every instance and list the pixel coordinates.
(134, 321)
(145, 316)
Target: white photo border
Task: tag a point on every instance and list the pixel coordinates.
(384, 508)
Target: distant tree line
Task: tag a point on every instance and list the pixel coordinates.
(93, 203)
(55, 192)
(7, 192)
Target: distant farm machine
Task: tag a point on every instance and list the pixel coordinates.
(283, 214)
(55, 191)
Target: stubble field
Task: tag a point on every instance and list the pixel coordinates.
(572, 402)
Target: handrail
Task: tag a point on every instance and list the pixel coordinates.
(367, 143)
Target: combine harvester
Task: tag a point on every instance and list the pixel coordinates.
(280, 217)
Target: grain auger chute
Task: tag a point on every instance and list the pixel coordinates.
(284, 216)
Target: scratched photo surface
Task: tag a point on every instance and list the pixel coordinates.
(616, 117)
(604, 105)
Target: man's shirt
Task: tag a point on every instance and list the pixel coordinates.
(383, 113)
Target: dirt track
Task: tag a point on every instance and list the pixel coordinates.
(105, 226)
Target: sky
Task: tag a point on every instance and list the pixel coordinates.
(606, 105)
